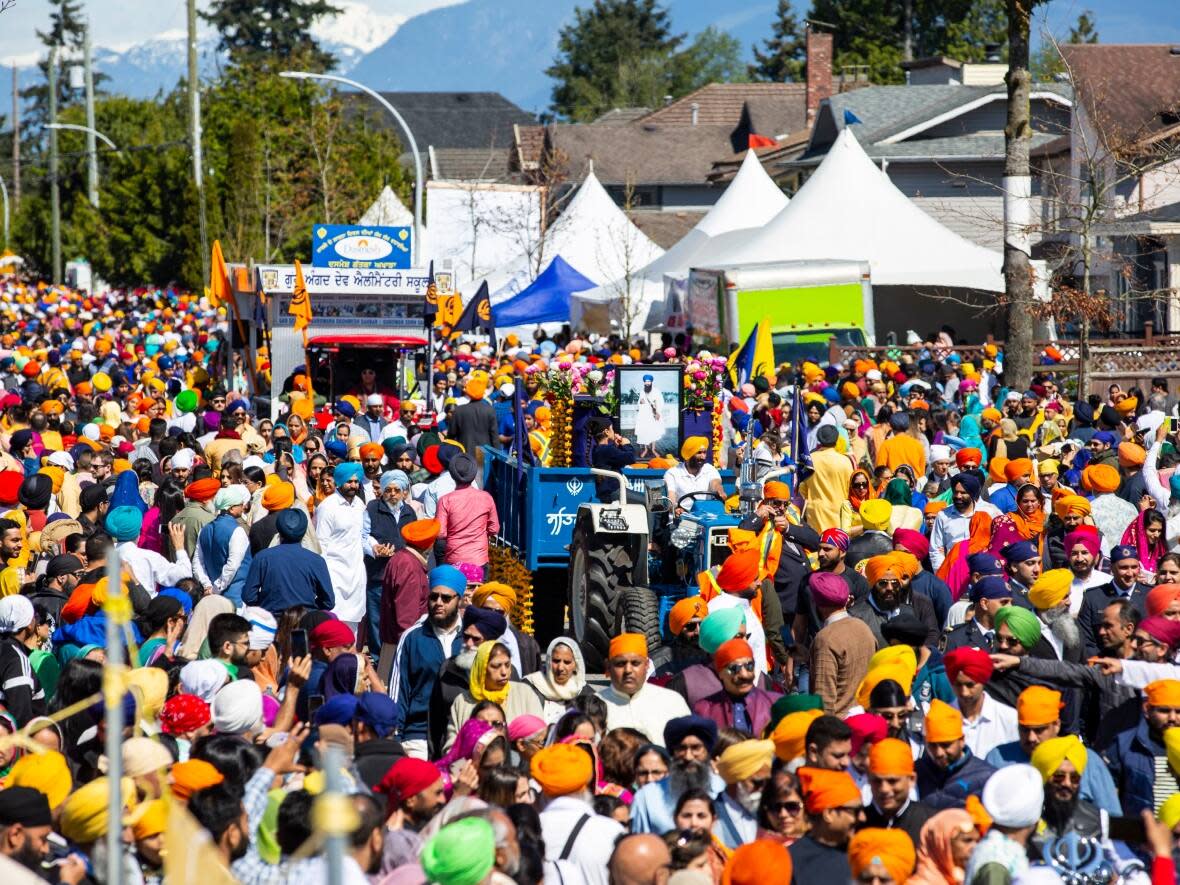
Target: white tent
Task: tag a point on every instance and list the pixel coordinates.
(850, 209)
(387, 210)
(593, 235)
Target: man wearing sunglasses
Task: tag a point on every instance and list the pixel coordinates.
(745, 768)
(1061, 762)
(740, 703)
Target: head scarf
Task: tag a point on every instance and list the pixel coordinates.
(543, 682)
(1028, 527)
(1135, 536)
(890, 848)
(1022, 623)
(935, 855)
(1048, 755)
(479, 671)
(342, 676)
(897, 492)
(856, 500)
(473, 735)
(198, 626)
(126, 493)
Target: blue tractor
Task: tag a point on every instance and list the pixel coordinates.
(618, 565)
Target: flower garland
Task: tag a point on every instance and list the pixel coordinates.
(561, 433)
(505, 566)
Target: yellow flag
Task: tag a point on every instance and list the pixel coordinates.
(219, 290)
(300, 301)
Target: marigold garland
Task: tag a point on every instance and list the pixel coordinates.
(505, 566)
(561, 434)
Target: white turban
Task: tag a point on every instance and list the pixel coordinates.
(184, 459)
(1150, 422)
(1013, 796)
(16, 613)
(263, 627)
(202, 678)
(64, 460)
(91, 432)
(237, 709)
(231, 496)
(940, 453)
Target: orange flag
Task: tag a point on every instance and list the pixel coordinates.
(300, 301)
(219, 290)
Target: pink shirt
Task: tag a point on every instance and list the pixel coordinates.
(467, 518)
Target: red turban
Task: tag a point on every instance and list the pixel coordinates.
(405, 779)
(1161, 630)
(1087, 536)
(331, 634)
(1160, 597)
(739, 571)
(963, 457)
(976, 663)
(867, 728)
(911, 541)
(184, 712)
(10, 483)
(202, 490)
(737, 649)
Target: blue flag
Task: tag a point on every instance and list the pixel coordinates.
(797, 434)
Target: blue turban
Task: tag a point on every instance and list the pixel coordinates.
(336, 448)
(1105, 436)
(232, 407)
(678, 729)
(378, 711)
(186, 601)
(985, 563)
(970, 483)
(990, 587)
(1020, 551)
(1083, 413)
(491, 624)
(338, 710)
(291, 524)
(124, 523)
(831, 394)
(647, 378)
(397, 477)
(345, 408)
(1123, 552)
(348, 470)
(447, 576)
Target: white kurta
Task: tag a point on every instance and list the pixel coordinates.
(338, 527)
(649, 418)
(648, 710)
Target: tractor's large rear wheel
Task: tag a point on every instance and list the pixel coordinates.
(601, 566)
(638, 611)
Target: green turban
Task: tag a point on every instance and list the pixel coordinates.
(1022, 623)
(186, 401)
(719, 627)
(461, 853)
(792, 703)
(898, 493)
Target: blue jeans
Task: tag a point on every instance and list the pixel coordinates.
(373, 619)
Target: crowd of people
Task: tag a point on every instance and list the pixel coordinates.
(940, 649)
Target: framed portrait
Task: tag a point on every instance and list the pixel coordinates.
(649, 408)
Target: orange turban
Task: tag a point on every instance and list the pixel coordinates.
(421, 533)
(193, 775)
(790, 734)
(891, 758)
(1074, 505)
(876, 846)
(628, 644)
(1131, 455)
(757, 862)
(278, 496)
(740, 539)
(995, 469)
(1159, 598)
(562, 769)
(734, 650)
(934, 507)
(1163, 693)
(823, 789)
(907, 562)
(739, 571)
(1017, 467)
(1101, 479)
(983, 820)
(688, 609)
(1038, 706)
(304, 408)
(202, 490)
(1127, 406)
(877, 567)
(776, 491)
(943, 723)
(504, 595)
(372, 450)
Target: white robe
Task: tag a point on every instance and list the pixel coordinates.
(338, 527)
(649, 418)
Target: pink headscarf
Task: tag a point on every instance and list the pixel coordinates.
(1136, 536)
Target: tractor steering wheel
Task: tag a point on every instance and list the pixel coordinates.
(694, 495)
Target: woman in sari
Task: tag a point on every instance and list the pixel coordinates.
(1025, 523)
(860, 489)
(1146, 535)
(954, 571)
(491, 680)
(561, 679)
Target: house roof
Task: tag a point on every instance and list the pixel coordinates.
(961, 147)
(470, 164)
(1132, 92)
(782, 107)
(621, 116)
(450, 119)
(933, 61)
(642, 153)
(1162, 221)
(665, 229)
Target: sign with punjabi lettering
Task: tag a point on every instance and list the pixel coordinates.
(361, 246)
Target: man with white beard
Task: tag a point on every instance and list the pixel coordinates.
(745, 768)
(1049, 596)
(690, 740)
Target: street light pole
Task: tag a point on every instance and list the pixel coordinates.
(54, 192)
(91, 147)
(89, 130)
(416, 245)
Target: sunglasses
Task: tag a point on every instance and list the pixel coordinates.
(442, 597)
(788, 807)
(740, 667)
(467, 637)
(1067, 777)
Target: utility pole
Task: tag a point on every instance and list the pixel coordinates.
(194, 104)
(1018, 354)
(91, 144)
(15, 141)
(54, 192)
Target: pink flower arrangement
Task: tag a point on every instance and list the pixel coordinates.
(703, 376)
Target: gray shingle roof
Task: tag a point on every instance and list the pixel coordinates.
(450, 119)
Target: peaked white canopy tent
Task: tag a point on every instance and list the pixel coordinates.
(387, 210)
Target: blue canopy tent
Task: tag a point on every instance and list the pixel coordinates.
(546, 299)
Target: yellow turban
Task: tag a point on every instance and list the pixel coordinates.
(745, 759)
(1049, 468)
(1050, 589)
(1048, 755)
(1169, 813)
(875, 514)
(894, 654)
(898, 671)
(502, 593)
(562, 769)
(890, 848)
(1074, 505)
(45, 772)
(84, 815)
(694, 445)
(152, 821)
(1172, 746)
(151, 689)
(943, 723)
(789, 736)
(56, 476)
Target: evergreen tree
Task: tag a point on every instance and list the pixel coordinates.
(1048, 62)
(594, 50)
(269, 33)
(783, 57)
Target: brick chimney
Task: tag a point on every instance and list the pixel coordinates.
(819, 70)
